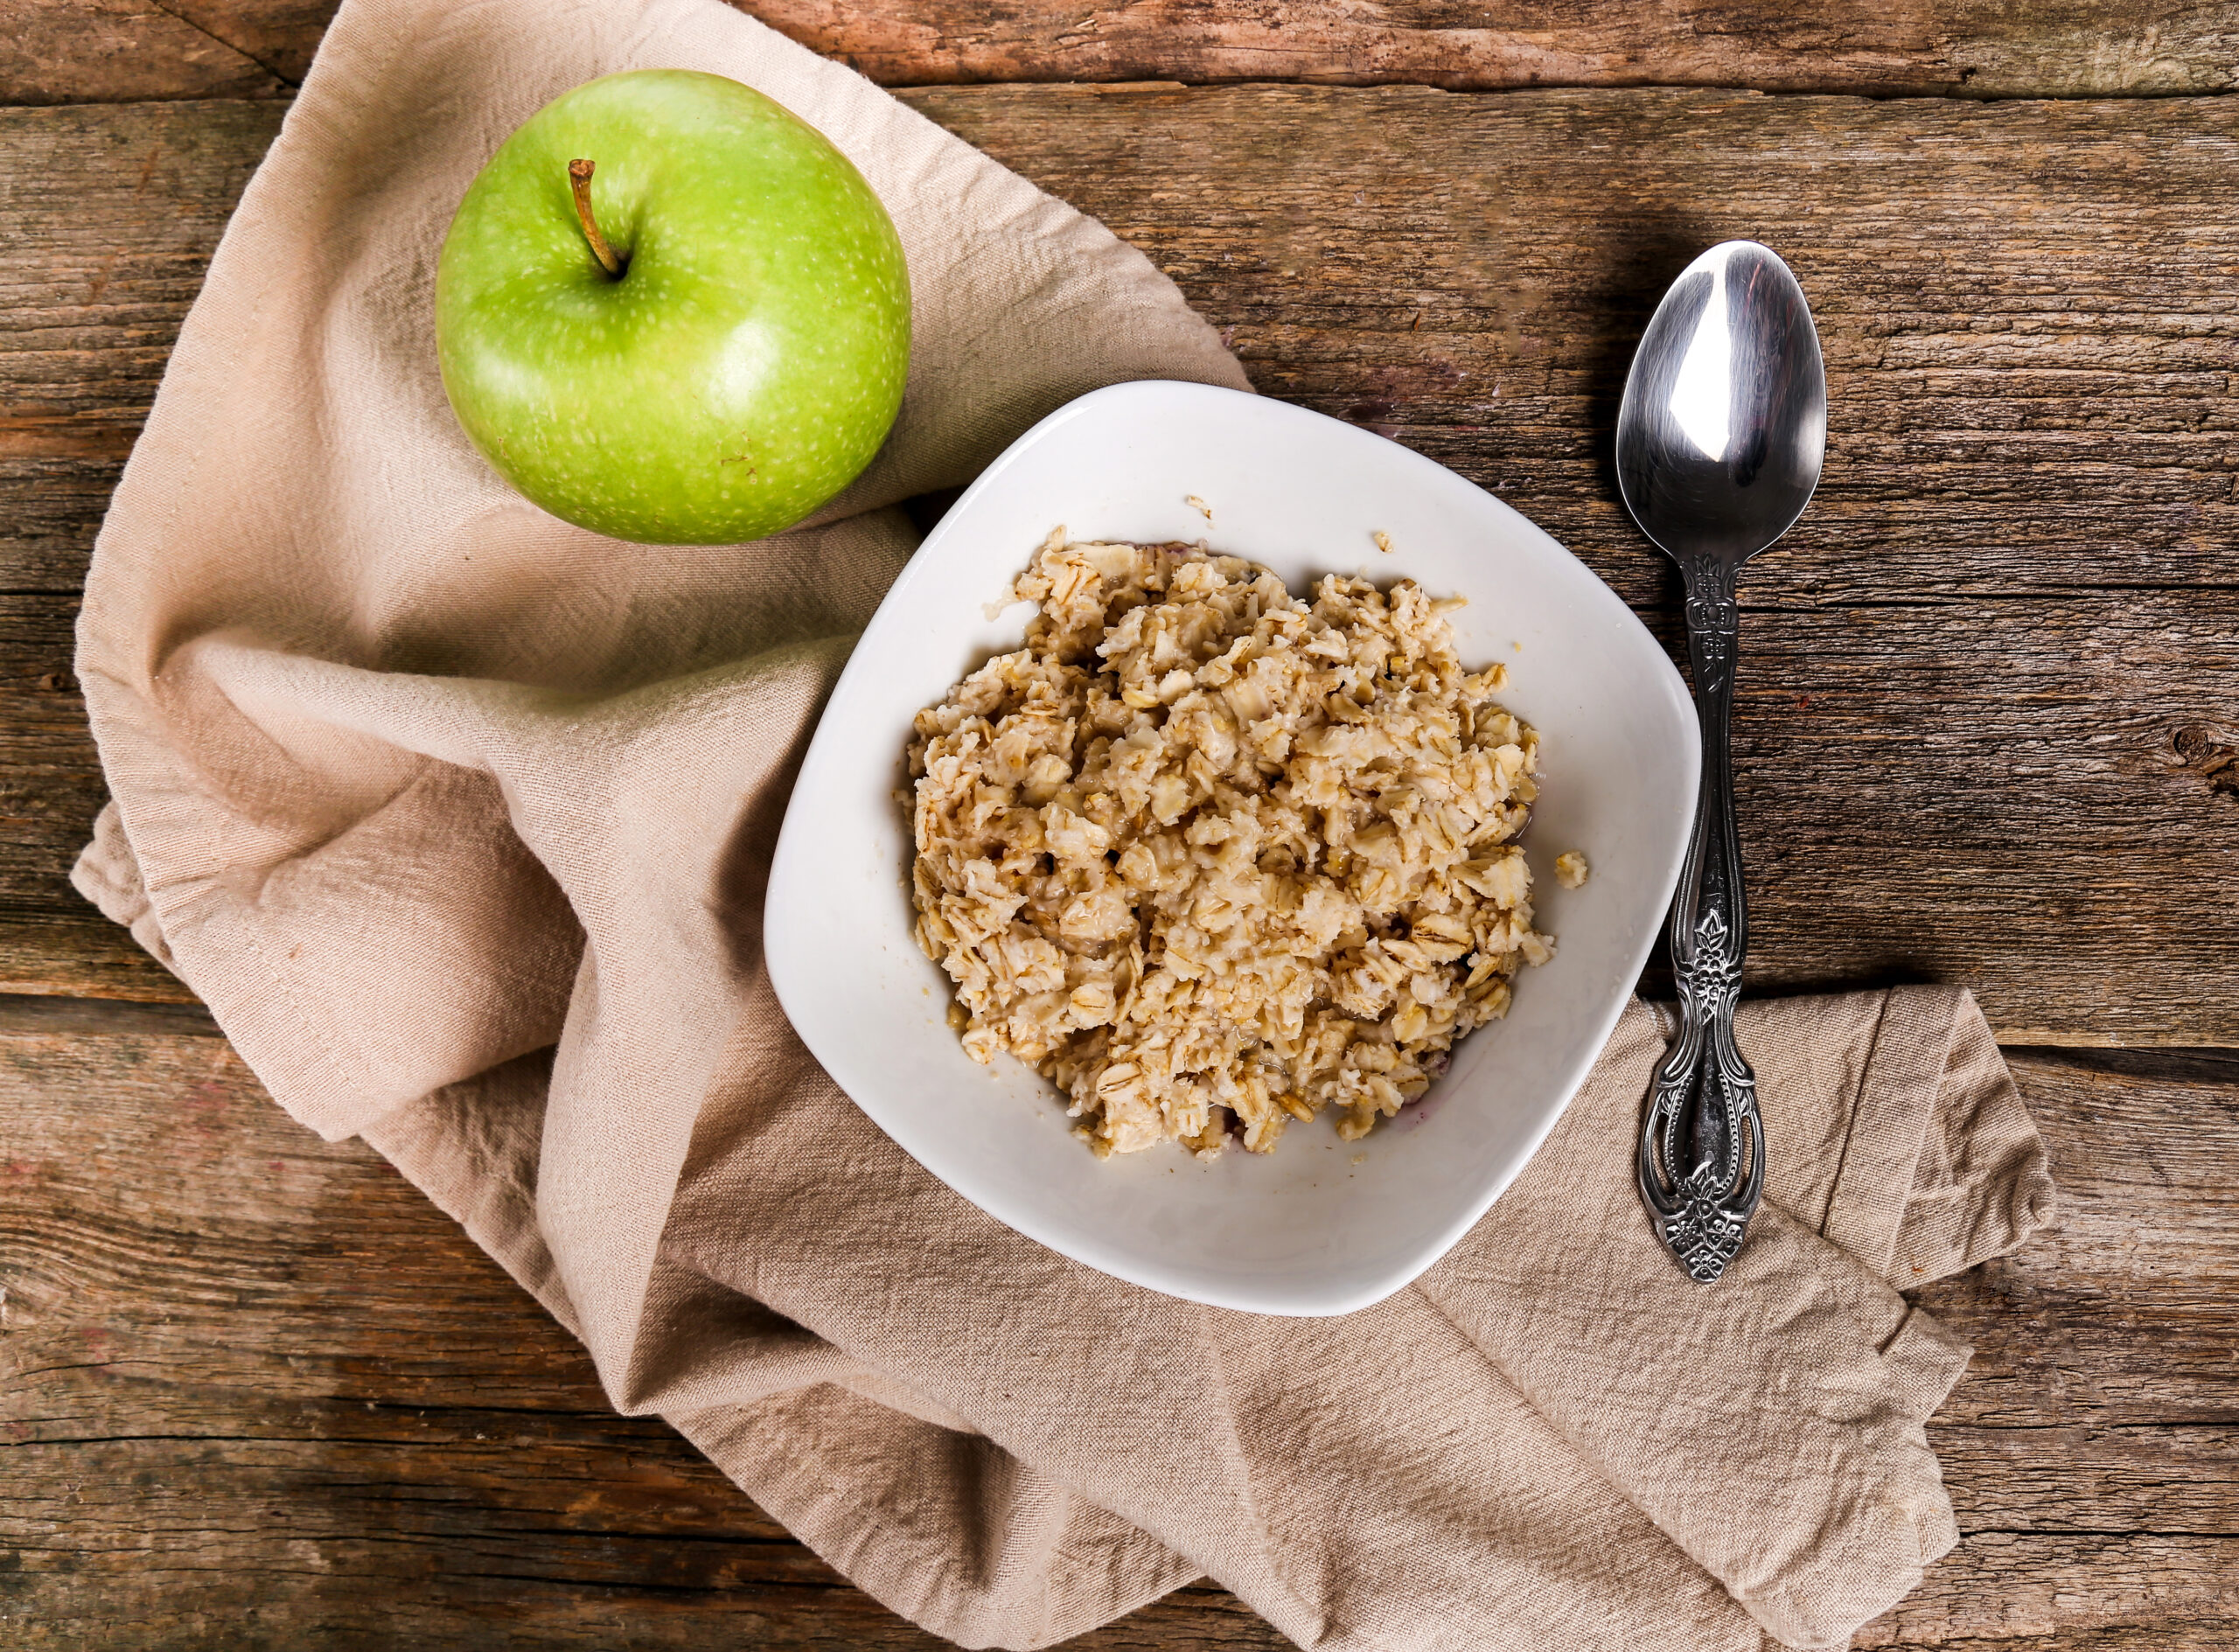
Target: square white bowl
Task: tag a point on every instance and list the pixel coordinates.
(1320, 1226)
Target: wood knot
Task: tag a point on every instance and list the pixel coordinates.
(2213, 760)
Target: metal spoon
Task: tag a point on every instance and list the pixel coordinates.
(1719, 442)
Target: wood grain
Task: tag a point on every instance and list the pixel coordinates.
(50, 788)
(2092, 1450)
(254, 1391)
(1974, 47)
(124, 51)
(1990, 696)
(2148, 1224)
(246, 1376)
(87, 315)
(111, 216)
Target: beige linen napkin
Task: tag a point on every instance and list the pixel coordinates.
(459, 818)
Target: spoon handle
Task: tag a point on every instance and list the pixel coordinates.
(1702, 1157)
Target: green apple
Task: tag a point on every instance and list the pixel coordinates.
(741, 361)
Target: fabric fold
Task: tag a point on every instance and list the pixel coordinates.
(459, 817)
(1813, 1369)
(1981, 1183)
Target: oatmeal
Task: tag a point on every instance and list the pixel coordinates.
(1213, 858)
(1571, 871)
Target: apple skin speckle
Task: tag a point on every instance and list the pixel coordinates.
(612, 403)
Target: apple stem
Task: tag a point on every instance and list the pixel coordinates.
(579, 175)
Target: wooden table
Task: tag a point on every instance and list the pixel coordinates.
(254, 1392)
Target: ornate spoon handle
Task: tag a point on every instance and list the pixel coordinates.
(1702, 1159)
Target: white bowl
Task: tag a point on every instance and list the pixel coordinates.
(1320, 1226)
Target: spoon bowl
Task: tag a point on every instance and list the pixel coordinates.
(1723, 429)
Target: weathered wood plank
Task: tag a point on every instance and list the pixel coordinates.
(248, 1375)
(2127, 1311)
(249, 1378)
(113, 215)
(2092, 1589)
(2092, 1450)
(121, 51)
(1968, 46)
(1989, 708)
(50, 788)
(87, 315)
(87, 321)
(131, 50)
